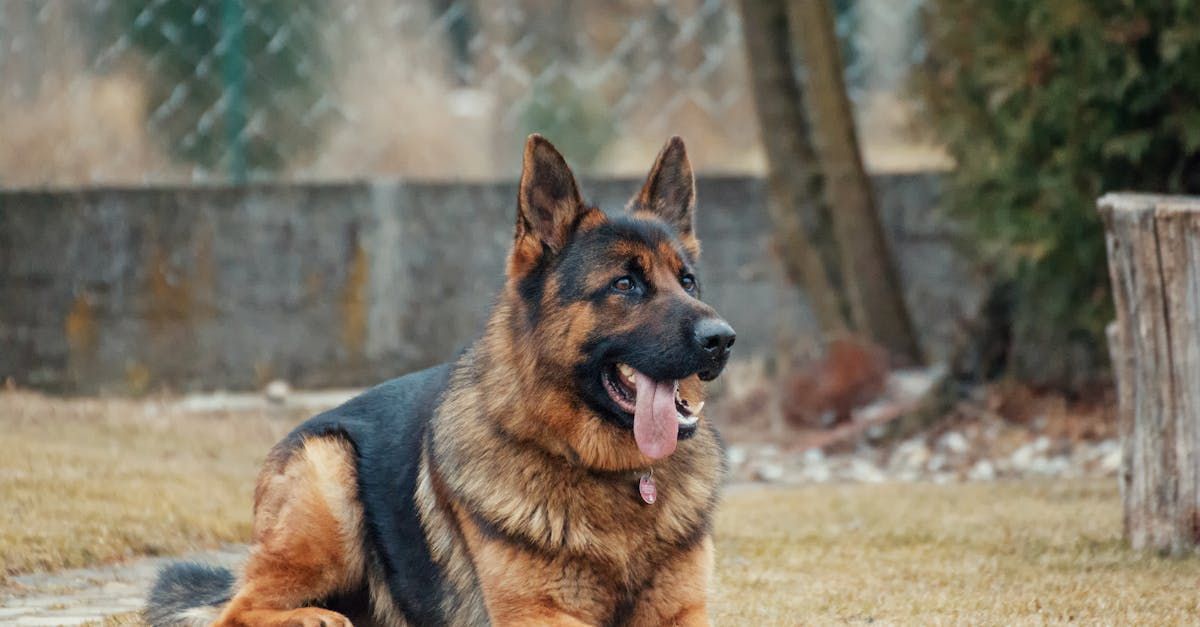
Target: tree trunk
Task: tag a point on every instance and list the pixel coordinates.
(793, 174)
(869, 277)
(1154, 263)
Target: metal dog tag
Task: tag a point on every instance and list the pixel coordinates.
(647, 489)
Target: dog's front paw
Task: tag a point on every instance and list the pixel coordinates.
(315, 617)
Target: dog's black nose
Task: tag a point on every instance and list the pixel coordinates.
(715, 337)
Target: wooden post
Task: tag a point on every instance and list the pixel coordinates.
(1154, 262)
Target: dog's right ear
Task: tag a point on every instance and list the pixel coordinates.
(549, 207)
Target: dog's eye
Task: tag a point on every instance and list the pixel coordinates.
(623, 284)
(688, 282)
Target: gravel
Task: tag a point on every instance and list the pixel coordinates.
(982, 453)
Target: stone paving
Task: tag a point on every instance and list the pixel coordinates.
(91, 595)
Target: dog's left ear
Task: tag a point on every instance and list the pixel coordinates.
(670, 192)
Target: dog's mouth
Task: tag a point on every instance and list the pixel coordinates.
(661, 416)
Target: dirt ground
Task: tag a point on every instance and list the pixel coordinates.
(88, 482)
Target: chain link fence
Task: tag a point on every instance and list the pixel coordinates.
(220, 91)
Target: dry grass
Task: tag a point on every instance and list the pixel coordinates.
(86, 481)
(993, 554)
(89, 481)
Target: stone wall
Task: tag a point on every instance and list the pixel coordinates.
(127, 290)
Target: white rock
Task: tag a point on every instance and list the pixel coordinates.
(910, 455)
(1107, 446)
(1041, 445)
(817, 473)
(1022, 458)
(954, 442)
(983, 470)
(814, 456)
(936, 463)
(736, 455)
(769, 473)
(913, 383)
(1110, 464)
(277, 391)
(1049, 467)
(866, 472)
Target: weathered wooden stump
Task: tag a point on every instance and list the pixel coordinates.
(1154, 261)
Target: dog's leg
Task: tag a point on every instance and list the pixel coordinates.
(307, 539)
(679, 593)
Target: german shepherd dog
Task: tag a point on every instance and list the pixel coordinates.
(560, 472)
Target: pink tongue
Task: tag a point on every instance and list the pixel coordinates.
(655, 427)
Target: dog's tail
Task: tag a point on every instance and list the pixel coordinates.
(187, 593)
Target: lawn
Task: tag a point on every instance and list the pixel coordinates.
(918, 554)
(87, 481)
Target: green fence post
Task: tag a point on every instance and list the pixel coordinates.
(233, 73)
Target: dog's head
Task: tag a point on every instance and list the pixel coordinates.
(610, 306)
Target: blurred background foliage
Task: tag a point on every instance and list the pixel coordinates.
(233, 85)
(1044, 106)
(581, 125)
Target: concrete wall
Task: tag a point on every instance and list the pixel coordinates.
(125, 290)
